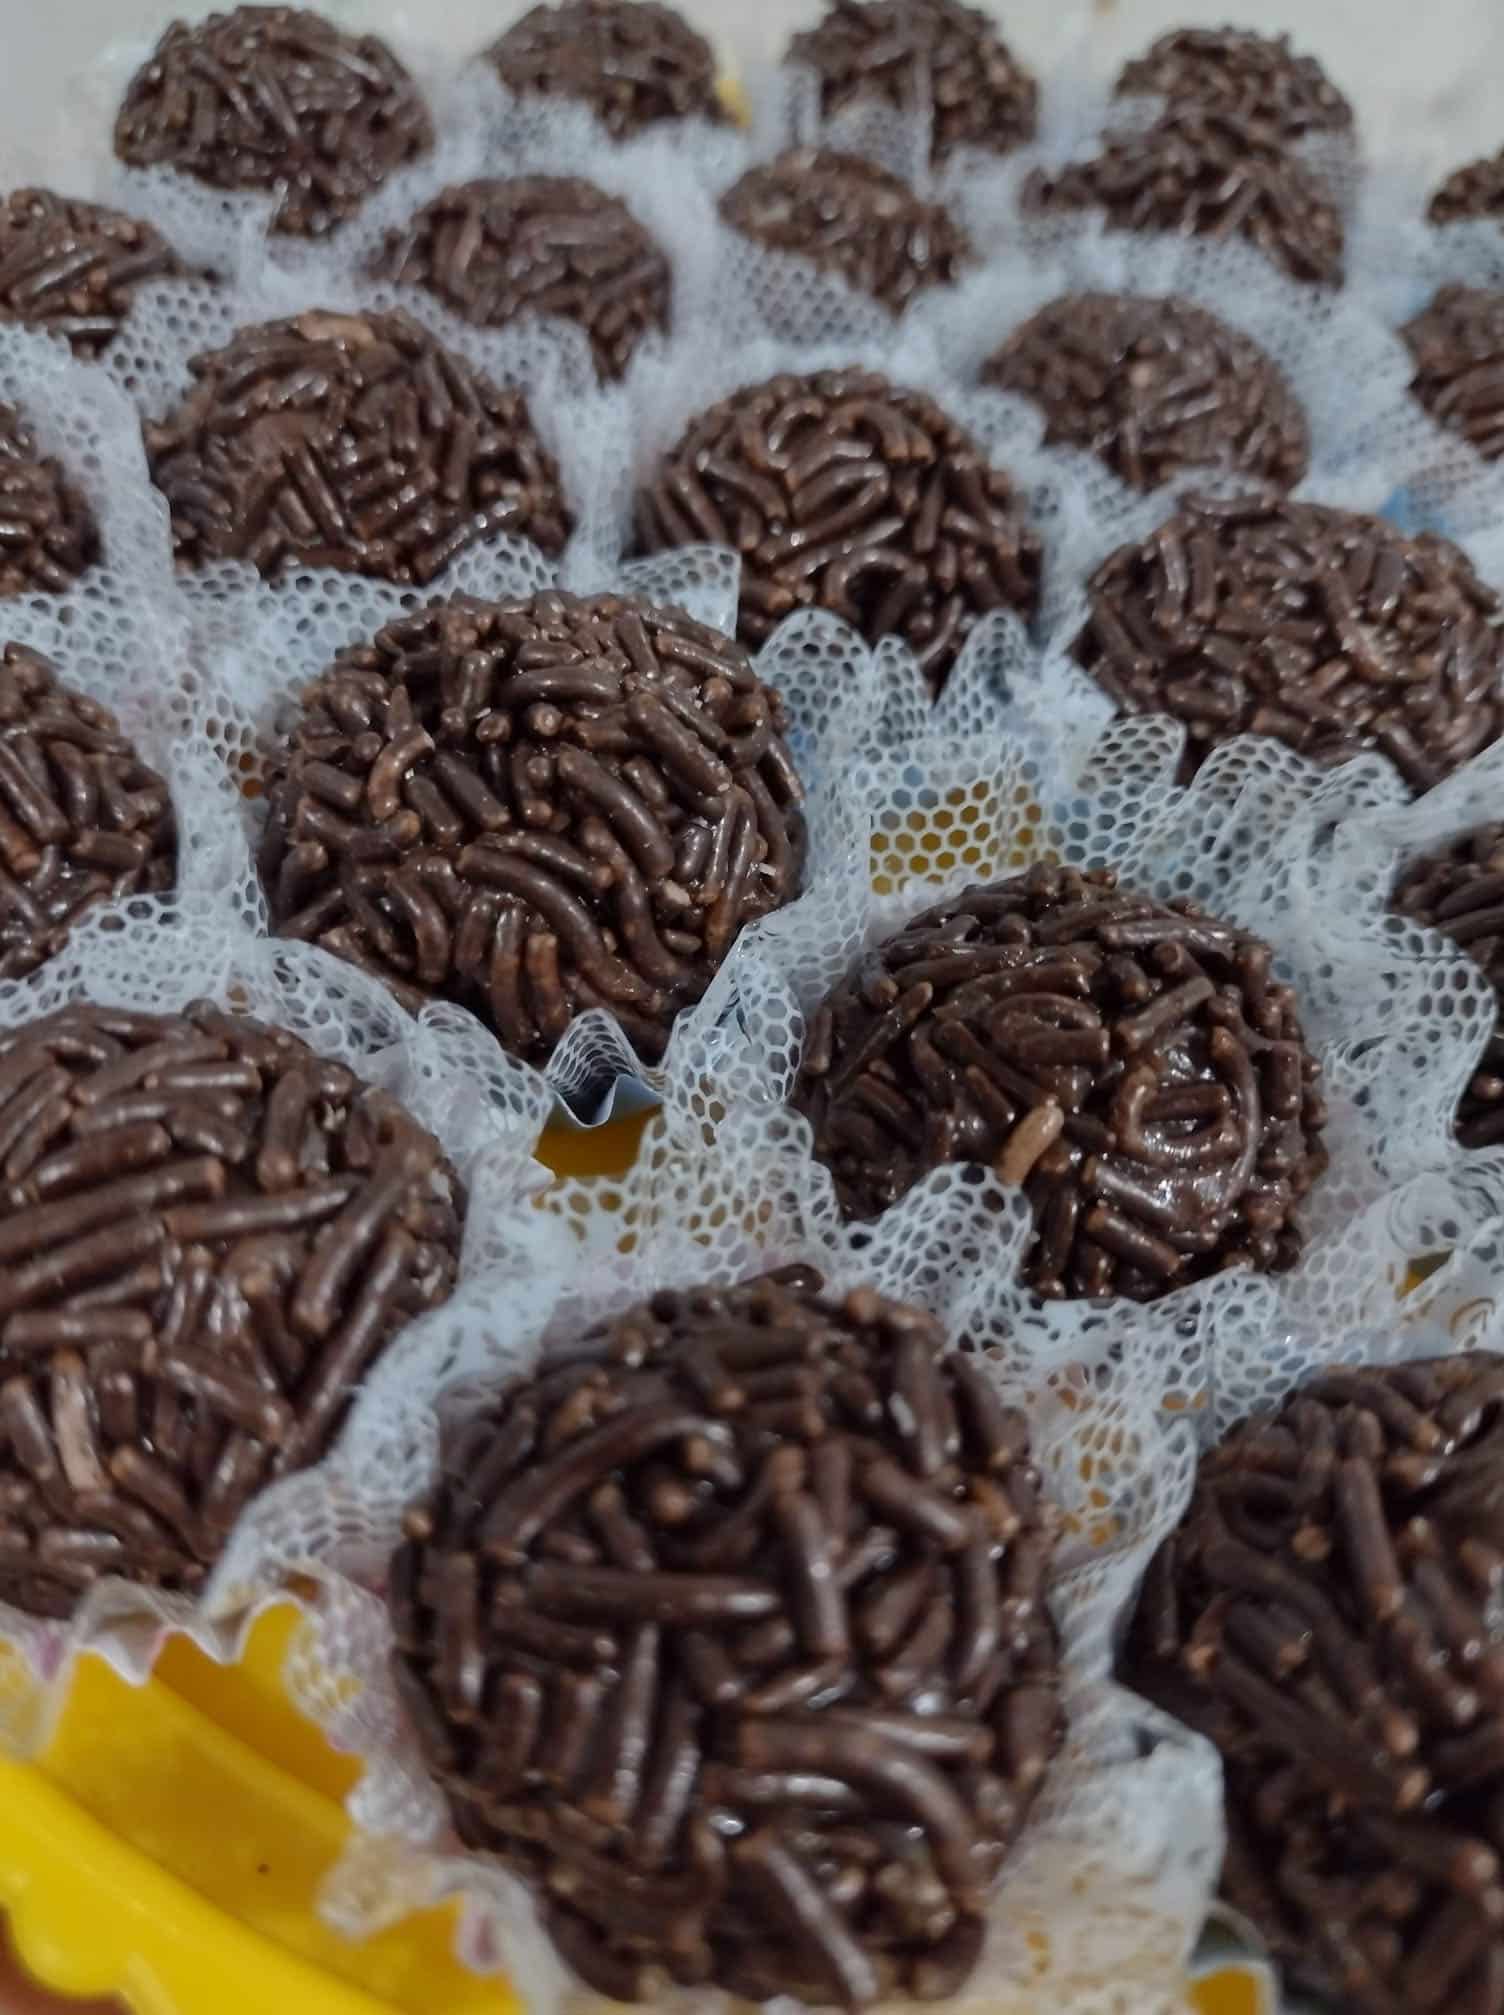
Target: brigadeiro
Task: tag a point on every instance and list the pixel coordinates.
(851, 218)
(280, 102)
(48, 536)
(1204, 172)
(1476, 190)
(729, 1635)
(73, 268)
(207, 1235)
(1327, 1613)
(1329, 630)
(83, 821)
(934, 56)
(355, 441)
(633, 62)
(1154, 386)
(1459, 890)
(1131, 1063)
(535, 808)
(1257, 77)
(1457, 342)
(842, 491)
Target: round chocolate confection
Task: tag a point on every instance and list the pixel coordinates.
(1131, 1063)
(535, 808)
(83, 821)
(1458, 346)
(73, 268)
(1329, 630)
(1234, 70)
(842, 491)
(851, 218)
(730, 1636)
(278, 100)
(207, 1235)
(931, 53)
(538, 245)
(1328, 1614)
(48, 536)
(354, 441)
(632, 62)
(1200, 171)
(1459, 890)
(1476, 190)
(1154, 386)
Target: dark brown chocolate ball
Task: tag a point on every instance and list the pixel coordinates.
(934, 54)
(1476, 190)
(83, 821)
(535, 808)
(48, 536)
(1329, 630)
(851, 218)
(1457, 342)
(730, 1637)
(633, 62)
(207, 1236)
(1131, 1063)
(842, 491)
(538, 245)
(275, 101)
(1327, 1614)
(355, 441)
(1459, 890)
(1153, 387)
(1200, 171)
(1257, 77)
(73, 268)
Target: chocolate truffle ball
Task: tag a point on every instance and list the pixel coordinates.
(1130, 1062)
(1476, 190)
(207, 1235)
(1153, 387)
(1233, 70)
(73, 268)
(1459, 890)
(275, 101)
(535, 808)
(633, 62)
(1458, 346)
(354, 441)
(842, 491)
(730, 1637)
(1328, 1615)
(1329, 630)
(1203, 172)
(851, 218)
(934, 54)
(48, 536)
(538, 245)
(83, 821)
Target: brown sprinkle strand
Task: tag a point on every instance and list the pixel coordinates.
(1459, 890)
(74, 267)
(1457, 343)
(633, 62)
(48, 536)
(1256, 77)
(1476, 190)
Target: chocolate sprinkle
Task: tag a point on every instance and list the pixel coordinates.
(1201, 171)
(1476, 190)
(538, 245)
(73, 268)
(48, 536)
(1130, 1063)
(535, 808)
(1233, 70)
(851, 218)
(1459, 890)
(207, 1236)
(1327, 1614)
(1458, 346)
(83, 821)
(1153, 387)
(842, 491)
(730, 1637)
(934, 54)
(278, 100)
(353, 441)
(632, 62)
(1329, 630)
